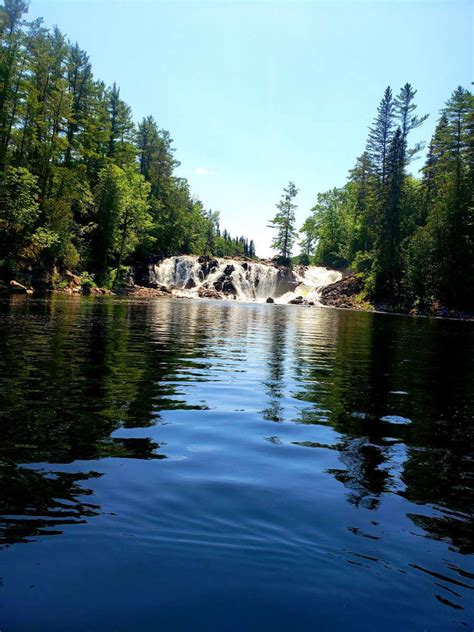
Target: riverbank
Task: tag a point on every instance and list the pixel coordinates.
(348, 293)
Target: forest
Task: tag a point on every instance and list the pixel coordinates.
(85, 188)
(410, 239)
(82, 187)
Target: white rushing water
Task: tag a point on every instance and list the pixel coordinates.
(240, 280)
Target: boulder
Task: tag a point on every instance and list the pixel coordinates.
(97, 291)
(72, 278)
(269, 300)
(141, 291)
(208, 292)
(225, 285)
(298, 300)
(208, 265)
(190, 284)
(286, 280)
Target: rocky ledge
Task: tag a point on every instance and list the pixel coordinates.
(343, 293)
(140, 291)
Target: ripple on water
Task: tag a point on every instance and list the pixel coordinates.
(231, 466)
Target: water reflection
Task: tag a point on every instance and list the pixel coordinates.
(37, 503)
(379, 407)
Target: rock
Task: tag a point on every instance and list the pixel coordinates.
(18, 288)
(229, 288)
(208, 292)
(286, 281)
(208, 265)
(190, 284)
(93, 291)
(72, 278)
(298, 300)
(342, 293)
(269, 300)
(140, 291)
(97, 291)
(224, 282)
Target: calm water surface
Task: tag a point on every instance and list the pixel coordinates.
(210, 466)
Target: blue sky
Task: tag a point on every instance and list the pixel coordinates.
(258, 93)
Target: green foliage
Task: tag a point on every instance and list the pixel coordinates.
(412, 240)
(87, 281)
(284, 223)
(329, 229)
(19, 214)
(81, 185)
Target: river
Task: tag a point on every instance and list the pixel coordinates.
(214, 465)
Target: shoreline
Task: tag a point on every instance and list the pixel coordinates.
(145, 293)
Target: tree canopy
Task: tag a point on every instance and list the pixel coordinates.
(411, 238)
(81, 184)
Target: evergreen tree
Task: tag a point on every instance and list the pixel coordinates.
(71, 143)
(284, 223)
(380, 136)
(387, 248)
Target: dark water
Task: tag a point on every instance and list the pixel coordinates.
(209, 466)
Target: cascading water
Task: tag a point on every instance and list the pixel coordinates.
(240, 280)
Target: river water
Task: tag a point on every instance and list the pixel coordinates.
(199, 465)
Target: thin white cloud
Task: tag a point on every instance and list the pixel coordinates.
(202, 171)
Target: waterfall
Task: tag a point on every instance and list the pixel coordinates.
(244, 281)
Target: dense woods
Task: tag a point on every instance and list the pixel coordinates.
(81, 185)
(411, 239)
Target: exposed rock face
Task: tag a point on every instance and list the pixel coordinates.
(298, 300)
(208, 264)
(224, 282)
(190, 284)
(73, 279)
(286, 281)
(144, 292)
(208, 292)
(342, 293)
(97, 291)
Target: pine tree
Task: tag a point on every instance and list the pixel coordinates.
(121, 128)
(387, 248)
(284, 223)
(404, 108)
(380, 136)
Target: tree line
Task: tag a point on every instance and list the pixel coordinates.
(81, 185)
(410, 238)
